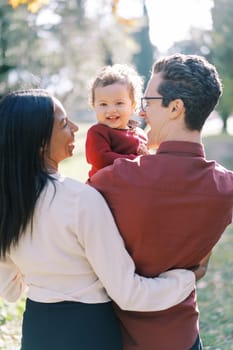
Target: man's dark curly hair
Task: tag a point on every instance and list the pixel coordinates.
(192, 79)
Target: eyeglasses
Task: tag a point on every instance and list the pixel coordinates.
(144, 101)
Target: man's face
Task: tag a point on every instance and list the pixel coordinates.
(156, 115)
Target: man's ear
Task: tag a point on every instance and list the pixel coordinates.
(176, 108)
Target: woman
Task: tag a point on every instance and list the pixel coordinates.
(58, 238)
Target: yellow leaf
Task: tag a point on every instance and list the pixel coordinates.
(128, 22)
(33, 5)
(14, 3)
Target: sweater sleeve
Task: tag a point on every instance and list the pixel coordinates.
(12, 284)
(98, 148)
(111, 262)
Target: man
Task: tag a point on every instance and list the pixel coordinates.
(171, 207)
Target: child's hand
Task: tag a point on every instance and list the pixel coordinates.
(143, 150)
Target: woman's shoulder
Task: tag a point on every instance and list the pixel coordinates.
(71, 185)
(69, 193)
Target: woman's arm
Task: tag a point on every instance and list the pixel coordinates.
(105, 250)
(12, 284)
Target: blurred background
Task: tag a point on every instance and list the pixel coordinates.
(60, 44)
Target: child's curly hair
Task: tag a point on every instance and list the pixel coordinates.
(118, 73)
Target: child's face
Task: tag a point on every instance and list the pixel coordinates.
(113, 105)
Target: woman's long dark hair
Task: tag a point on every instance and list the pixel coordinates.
(26, 122)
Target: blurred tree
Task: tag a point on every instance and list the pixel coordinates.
(60, 47)
(225, 107)
(139, 29)
(17, 46)
(144, 57)
(199, 43)
(145, 52)
(85, 43)
(4, 24)
(4, 64)
(222, 47)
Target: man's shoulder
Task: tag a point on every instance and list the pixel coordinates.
(124, 170)
(224, 177)
(222, 169)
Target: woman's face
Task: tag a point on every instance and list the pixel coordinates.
(62, 141)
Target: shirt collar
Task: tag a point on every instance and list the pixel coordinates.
(182, 147)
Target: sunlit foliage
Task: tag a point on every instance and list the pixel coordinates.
(32, 5)
(131, 22)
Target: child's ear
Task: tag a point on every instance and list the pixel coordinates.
(134, 105)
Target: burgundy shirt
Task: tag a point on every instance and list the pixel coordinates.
(171, 209)
(105, 144)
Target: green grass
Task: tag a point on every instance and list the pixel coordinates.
(215, 297)
(10, 324)
(215, 290)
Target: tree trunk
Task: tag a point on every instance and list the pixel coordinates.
(224, 126)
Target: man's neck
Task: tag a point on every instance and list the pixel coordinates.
(182, 134)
